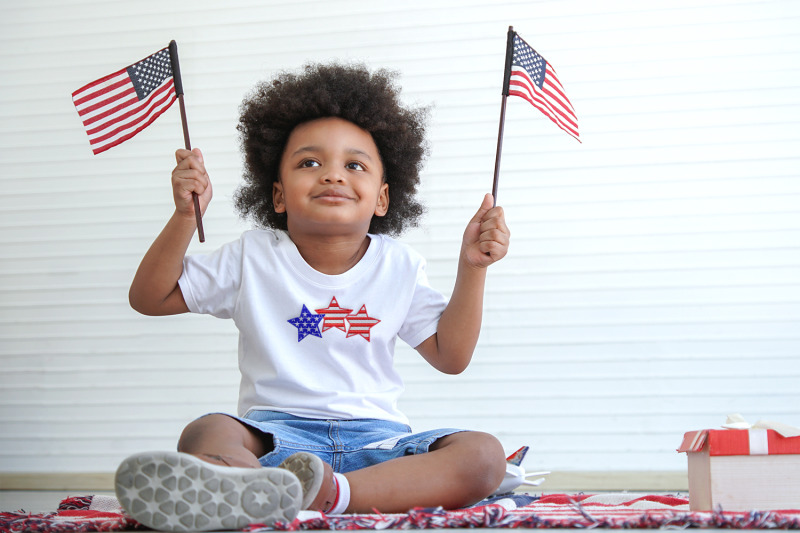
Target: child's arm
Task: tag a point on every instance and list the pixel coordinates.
(485, 241)
(154, 290)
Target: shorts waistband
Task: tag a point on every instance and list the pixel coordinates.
(265, 415)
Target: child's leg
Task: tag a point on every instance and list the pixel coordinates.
(222, 440)
(459, 470)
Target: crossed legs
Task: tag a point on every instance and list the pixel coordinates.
(459, 470)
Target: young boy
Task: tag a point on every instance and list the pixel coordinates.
(319, 298)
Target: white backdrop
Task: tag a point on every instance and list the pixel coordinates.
(652, 285)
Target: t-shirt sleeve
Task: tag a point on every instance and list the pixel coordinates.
(427, 305)
(210, 282)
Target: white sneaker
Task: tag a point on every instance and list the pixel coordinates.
(174, 491)
(316, 476)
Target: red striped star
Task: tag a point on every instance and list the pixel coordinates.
(334, 316)
(360, 323)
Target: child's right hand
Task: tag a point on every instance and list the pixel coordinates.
(190, 176)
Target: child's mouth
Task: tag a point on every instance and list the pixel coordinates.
(332, 195)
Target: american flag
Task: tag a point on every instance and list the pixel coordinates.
(118, 106)
(535, 80)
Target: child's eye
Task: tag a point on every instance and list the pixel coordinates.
(354, 165)
(309, 163)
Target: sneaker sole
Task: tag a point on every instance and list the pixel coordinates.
(173, 491)
(310, 470)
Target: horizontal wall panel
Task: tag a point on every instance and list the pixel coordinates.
(653, 280)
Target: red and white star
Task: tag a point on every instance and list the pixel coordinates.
(360, 323)
(334, 316)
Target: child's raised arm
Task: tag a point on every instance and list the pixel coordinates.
(154, 290)
(485, 242)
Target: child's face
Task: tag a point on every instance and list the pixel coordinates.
(331, 179)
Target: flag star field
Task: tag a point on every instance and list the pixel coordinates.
(148, 74)
(532, 62)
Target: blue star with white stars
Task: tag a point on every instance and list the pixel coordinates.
(307, 324)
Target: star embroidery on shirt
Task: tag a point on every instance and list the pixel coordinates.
(307, 324)
(360, 323)
(334, 316)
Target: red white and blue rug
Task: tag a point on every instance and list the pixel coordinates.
(610, 510)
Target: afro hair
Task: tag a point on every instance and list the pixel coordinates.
(371, 101)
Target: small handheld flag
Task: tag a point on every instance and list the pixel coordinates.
(528, 75)
(535, 80)
(116, 107)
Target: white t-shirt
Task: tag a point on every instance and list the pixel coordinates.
(311, 344)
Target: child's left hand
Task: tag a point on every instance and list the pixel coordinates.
(486, 237)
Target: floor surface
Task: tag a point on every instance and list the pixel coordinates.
(39, 501)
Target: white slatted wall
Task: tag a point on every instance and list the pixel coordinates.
(652, 286)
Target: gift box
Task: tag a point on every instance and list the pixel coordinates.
(742, 469)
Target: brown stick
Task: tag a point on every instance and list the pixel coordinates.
(176, 78)
(196, 199)
(496, 180)
(506, 80)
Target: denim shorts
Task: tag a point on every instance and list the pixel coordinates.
(346, 445)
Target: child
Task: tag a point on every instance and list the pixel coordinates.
(319, 298)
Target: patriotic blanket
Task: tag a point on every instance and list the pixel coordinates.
(613, 510)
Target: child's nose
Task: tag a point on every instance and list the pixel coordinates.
(333, 175)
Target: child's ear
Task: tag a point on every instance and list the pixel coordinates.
(277, 197)
(383, 201)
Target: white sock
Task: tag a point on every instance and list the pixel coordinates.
(342, 494)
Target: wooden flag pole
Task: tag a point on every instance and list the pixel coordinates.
(176, 77)
(506, 82)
